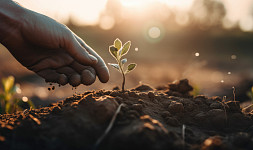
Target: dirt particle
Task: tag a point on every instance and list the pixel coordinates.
(137, 107)
(176, 107)
(213, 143)
(151, 95)
(56, 110)
(172, 121)
(133, 114)
(53, 87)
(182, 87)
(48, 89)
(133, 94)
(144, 88)
(116, 88)
(217, 118)
(233, 106)
(141, 101)
(166, 114)
(2, 138)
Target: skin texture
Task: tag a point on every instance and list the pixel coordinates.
(49, 48)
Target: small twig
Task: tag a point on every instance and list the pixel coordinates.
(35, 119)
(223, 103)
(183, 134)
(234, 93)
(109, 127)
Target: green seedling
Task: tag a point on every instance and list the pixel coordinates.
(195, 91)
(118, 51)
(250, 94)
(8, 101)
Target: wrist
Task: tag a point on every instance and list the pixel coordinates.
(12, 17)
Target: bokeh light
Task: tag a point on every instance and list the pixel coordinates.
(233, 57)
(107, 22)
(25, 99)
(154, 32)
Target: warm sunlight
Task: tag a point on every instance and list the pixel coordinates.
(181, 4)
(82, 11)
(86, 12)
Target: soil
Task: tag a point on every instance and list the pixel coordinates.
(167, 117)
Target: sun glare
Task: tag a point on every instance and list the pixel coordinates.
(143, 3)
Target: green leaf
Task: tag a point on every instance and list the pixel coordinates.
(123, 61)
(113, 51)
(117, 43)
(131, 67)
(125, 48)
(8, 83)
(116, 66)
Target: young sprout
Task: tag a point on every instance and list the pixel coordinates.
(118, 51)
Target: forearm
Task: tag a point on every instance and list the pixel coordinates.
(11, 19)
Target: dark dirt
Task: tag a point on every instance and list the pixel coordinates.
(150, 119)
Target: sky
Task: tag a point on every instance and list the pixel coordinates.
(87, 12)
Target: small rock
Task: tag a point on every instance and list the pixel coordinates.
(176, 107)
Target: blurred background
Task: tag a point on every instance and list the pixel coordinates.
(210, 42)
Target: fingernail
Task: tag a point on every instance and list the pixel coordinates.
(93, 59)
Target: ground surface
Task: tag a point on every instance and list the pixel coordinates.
(163, 118)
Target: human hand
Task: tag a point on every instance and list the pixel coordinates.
(53, 51)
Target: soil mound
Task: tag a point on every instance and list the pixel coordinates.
(168, 118)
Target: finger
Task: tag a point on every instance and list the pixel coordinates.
(74, 78)
(88, 77)
(88, 74)
(78, 52)
(52, 62)
(79, 68)
(52, 76)
(101, 68)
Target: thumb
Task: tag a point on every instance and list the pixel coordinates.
(79, 53)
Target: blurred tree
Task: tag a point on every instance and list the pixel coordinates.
(208, 12)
